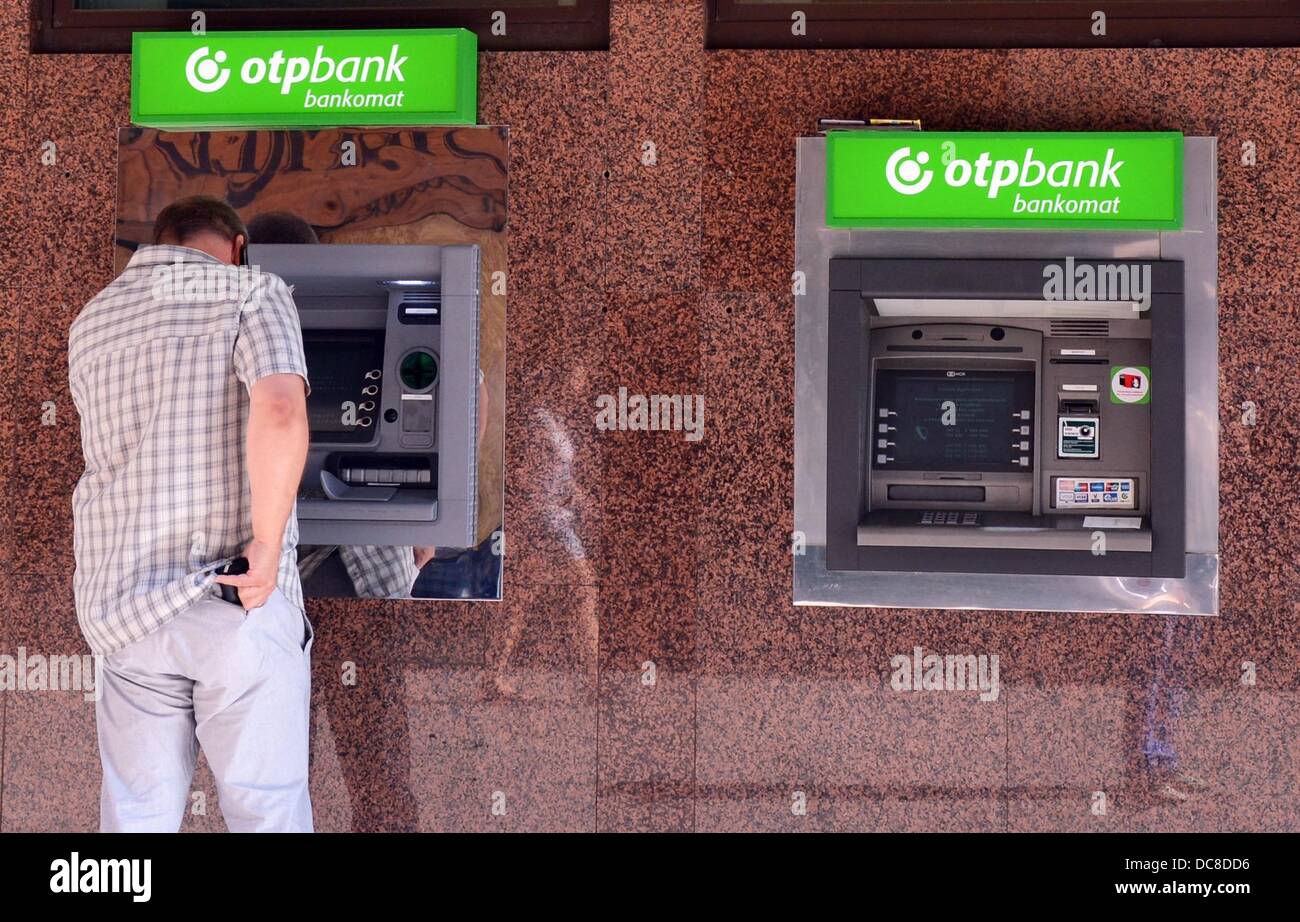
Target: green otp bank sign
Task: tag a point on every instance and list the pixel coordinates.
(1101, 180)
(304, 79)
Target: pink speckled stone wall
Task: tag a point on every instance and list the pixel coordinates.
(646, 669)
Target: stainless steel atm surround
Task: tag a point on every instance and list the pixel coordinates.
(1195, 246)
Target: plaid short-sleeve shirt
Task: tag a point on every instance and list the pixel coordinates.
(160, 365)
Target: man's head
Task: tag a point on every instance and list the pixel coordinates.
(202, 223)
(281, 227)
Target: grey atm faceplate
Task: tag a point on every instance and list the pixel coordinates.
(945, 447)
(391, 338)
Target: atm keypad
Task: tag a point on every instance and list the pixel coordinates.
(949, 518)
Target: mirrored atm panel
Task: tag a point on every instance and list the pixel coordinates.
(391, 339)
(974, 425)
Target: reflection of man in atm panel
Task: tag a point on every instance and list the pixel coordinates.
(190, 380)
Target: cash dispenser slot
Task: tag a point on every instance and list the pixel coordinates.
(385, 470)
(935, 494)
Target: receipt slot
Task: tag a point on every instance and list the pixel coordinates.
(391, 339)
(1007, 417)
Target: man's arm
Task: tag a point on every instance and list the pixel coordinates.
(275, 452)
(269, 361)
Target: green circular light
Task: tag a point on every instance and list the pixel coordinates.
(419, 370)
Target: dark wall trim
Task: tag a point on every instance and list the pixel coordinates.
(1008, 24)
(58, 27)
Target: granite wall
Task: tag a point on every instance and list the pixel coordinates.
(646, 669)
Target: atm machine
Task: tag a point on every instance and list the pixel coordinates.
(390, 334)
(969, 434)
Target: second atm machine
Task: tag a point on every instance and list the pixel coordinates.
(1005, 372)
(390, 334)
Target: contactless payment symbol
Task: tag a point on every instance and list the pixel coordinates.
(1130, 384)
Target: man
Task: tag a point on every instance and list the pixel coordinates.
(189, 376)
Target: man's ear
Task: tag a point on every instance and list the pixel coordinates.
(237, 254)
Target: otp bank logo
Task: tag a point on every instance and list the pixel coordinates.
(904, 173)
(205, 73)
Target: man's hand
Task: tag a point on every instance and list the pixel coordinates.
(256, 586)
(423, 555)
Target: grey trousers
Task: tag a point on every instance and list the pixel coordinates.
(236, 684)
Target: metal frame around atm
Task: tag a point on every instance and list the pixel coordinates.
(1195, 245)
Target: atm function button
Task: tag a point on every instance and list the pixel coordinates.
(1023, 414)
(1024, 430)
(968, 518)
(1024, 462)
(1024, 446)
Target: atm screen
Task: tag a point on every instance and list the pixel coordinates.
(937, 420)
(344, 367)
